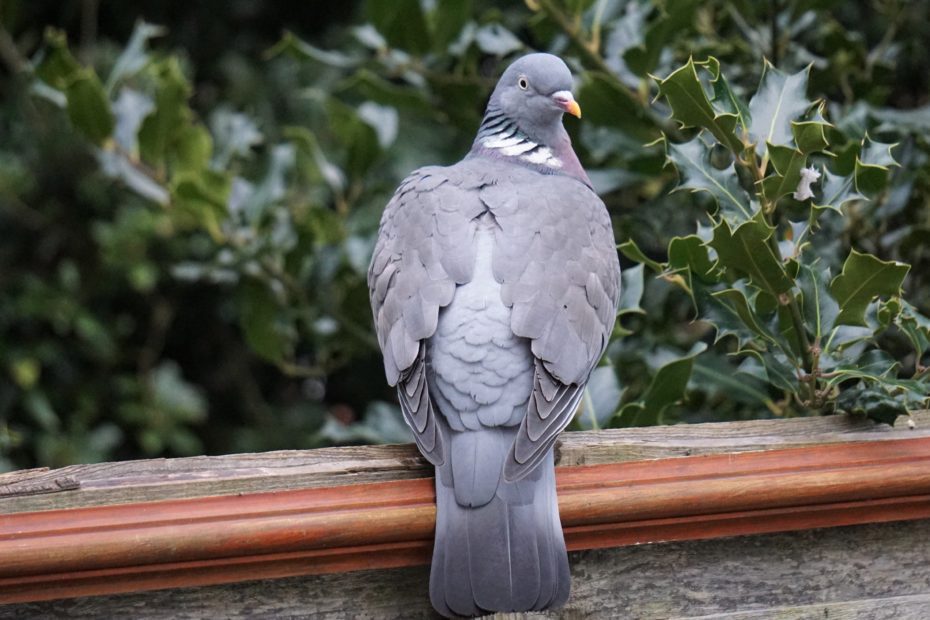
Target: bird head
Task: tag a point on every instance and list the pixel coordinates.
(534, 92)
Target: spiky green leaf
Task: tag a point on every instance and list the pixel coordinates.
(873, 166)
(819, 308)
(780, 99)
(835, 191)
(771, 367)
(865, 277)
(810, 136)
(693, 161)
(691, 253)
(746, 249)
(915, 326)
(692, 108)
(787, 162)
(88, 106)
(667, 388)
(724, 97)
(632, 251)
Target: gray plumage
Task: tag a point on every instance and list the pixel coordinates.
(494, 286)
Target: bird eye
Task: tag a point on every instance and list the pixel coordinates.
(522, 83)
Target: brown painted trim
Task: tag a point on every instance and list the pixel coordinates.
(210, 540)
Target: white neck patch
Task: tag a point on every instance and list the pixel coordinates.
(516, 144)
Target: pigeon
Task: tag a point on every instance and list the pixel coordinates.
(494, 286)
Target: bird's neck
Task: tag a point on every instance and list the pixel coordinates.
(500, 138)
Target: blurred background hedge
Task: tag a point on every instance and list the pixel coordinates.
(198, 284)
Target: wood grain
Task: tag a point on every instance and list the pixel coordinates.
(865, 572)
(172, 543)
(155, 479)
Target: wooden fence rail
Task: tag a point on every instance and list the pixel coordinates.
(119, 528)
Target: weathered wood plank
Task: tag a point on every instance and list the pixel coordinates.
(871, 571)
(123, 548)
(148, 480)
(914, 607)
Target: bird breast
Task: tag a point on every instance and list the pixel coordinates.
(480, 373)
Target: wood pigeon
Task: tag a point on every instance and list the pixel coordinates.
(494, 286)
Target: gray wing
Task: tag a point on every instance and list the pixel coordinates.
(557, 261)
(425, 247)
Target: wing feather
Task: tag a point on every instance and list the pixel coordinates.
(557, 261)
(423, 251)
(555, 258)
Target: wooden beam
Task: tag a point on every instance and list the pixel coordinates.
(99, 484)
(222, 539)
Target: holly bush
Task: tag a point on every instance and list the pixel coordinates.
(188, 208)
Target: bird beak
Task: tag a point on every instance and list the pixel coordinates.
(566, 101)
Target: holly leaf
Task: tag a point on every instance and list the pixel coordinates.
(845, 342)
(772, 368)
(835, 191)
(781, 323)
(819, 307)
(787, 162)
(161, 127)
(724, 97)
(86, 102)
(871, 401)
(810, 136)
(691, 253)
(631, 292)
(729, 315)
(865, 277)
(745, 249)
(735, 299)
(667, 388)
(715, 374)
(873, 165)
(201, 199)
(781, 98)
(194, 147)
(876, 366)
(88, 106)
(58, 66)
(632, 251)
(692, 159)
(915, 326)
(691, 107)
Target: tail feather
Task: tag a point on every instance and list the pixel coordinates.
(525, 554)
(454, 577)
(562, 579)
(506, 555)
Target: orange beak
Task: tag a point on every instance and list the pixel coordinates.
(566, 101)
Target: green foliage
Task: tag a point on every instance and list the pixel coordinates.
(765, 286)
(190, 212)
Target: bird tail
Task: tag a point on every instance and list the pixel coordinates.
(507, 554)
